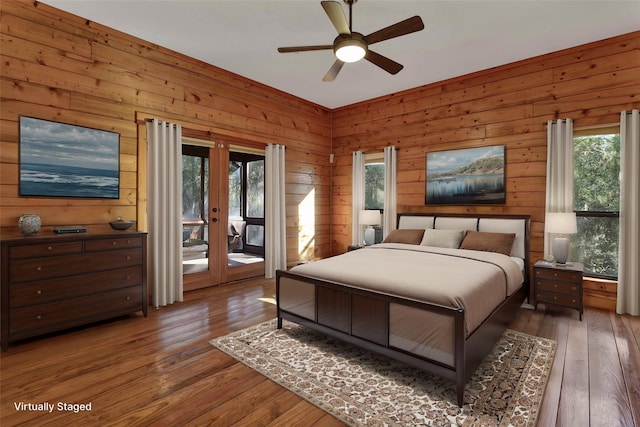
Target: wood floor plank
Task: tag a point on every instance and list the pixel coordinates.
(573, 409)
(162, 370)
(609, 400)
(629, 352)
(556, 329)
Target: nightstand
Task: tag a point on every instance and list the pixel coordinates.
(558, 284)
(354, 247)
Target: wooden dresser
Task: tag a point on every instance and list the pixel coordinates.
(52, 282)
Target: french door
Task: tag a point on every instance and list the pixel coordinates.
(218, 237)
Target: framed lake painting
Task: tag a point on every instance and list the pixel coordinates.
(62, 160)
(466, 177)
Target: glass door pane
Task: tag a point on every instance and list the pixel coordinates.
(195, 204)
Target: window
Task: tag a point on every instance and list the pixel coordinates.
(374, 182)
(597, 200)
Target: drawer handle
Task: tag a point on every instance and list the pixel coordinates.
(49, 248)
(555, 298)
(114, 243)
(555, 286)
(39, 317)
(38, 268)
(128, 277)
(128, 298)
(128, 257)
(573, 288)
(39, 292)
(573, 301)
(555, 274)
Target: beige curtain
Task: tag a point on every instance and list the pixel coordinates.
(389, 219)
(559, 197)
(275, 211)
(164, 144)
(357, 197)
(629, 251)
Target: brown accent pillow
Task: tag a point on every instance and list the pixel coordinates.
(407, 235)
(489, 242)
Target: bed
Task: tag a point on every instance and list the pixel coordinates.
(436, 294)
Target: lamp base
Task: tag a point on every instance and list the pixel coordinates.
(561, 249)
(369, 236)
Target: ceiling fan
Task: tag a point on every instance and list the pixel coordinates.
(351, 46)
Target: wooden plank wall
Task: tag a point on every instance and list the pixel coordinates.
(508, 105)
(60, 67)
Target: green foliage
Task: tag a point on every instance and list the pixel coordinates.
(374, 186)
(597, 189)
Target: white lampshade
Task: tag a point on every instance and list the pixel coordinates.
(351, 49)
(561, 223)
(369, 217)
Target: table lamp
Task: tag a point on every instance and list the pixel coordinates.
(369, 218)
(561, 223)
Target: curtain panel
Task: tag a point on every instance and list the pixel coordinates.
(629, 238)
(389, 219)
(559, 195)
(275, 211)
(164, 145)
(357, 197)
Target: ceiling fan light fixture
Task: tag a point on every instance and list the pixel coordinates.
(350, 49)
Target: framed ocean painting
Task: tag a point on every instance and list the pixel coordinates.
(467, 176)
(62, 160)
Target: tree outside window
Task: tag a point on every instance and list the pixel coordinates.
(374, 186)
(597, 203)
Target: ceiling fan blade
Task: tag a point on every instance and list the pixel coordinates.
(390, 66)
(333, 71)
(336, 15)
(304, 48)
(401, 28)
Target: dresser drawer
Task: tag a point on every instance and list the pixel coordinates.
(560, 299)
(569, 276)
(45, 291)
(557, 287)
(45, 249)
(43, 318)
(26, 270)
(113, 243)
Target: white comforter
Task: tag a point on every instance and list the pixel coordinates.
(473, 280)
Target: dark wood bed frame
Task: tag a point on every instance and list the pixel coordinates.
(361, 317)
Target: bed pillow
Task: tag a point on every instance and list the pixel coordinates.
(489, 242)
(442, 238)
(406, 235)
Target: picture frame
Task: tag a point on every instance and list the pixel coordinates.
(467, 176)
(63, 160)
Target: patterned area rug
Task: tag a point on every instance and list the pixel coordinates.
(362, 388)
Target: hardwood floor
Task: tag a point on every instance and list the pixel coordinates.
(162, 370)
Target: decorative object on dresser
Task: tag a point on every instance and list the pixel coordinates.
(29, 224)
(51, 283)
(369, 217)
(558, 285)
(560, 223)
